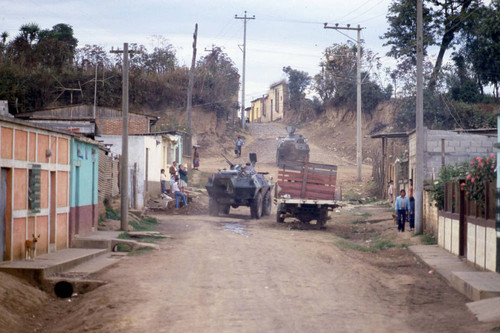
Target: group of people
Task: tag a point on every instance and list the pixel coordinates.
(178, 181)
(404, 207)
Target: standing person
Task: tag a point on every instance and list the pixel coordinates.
(411, 215)
(390, 191)
(402, 207)
(239, 144)
(177, 192)
(183, 176)
(196, 158)
(411, 188)
(163, 181)
(173, 169)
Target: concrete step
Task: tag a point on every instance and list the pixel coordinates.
(476, 285)
(50, 264)
(486, 310)
(95, 265)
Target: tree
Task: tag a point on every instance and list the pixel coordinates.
(442, 20)
(298, 81)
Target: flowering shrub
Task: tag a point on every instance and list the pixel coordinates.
(481, 170)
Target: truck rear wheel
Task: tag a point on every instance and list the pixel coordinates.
(213, 207)
(279, 218)
(256, 207)
(266, 204)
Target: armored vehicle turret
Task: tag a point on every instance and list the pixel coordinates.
(292, 148)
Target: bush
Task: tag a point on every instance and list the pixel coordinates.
(447, 174)
(481, 170)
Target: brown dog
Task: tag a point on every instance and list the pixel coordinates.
(30, 246)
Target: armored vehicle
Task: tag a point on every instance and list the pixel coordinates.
(241, 185)
(293, 148)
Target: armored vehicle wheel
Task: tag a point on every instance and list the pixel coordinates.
(279, 218)
(224, 209)
(256, 207)
(213, 207)
(266, 204)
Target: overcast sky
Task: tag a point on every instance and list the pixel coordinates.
(284, 32)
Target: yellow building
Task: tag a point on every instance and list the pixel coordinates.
(270, 107)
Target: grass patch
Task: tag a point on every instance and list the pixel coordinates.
(144, 224)
(428, 239)
(111, 214)
(496, 329)
(378, 245)
(120, 247)
(141, 251)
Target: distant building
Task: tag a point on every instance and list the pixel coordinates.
(270, 107)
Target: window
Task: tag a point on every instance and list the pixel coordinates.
(34, 189)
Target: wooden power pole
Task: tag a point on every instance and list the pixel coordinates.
(359, 149)
(191, 79)
(244, 18)
(124, 159)
(419, 156)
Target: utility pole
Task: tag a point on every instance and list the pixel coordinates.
(359, 149)
(245, 18)
(419, 156)
(124, 161)
(95, 92)
(191, 79)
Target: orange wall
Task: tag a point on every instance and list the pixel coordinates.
(63, 151)
(21, 149)
(62, 230)
(43, 145)
(53, 146)
(20, 189)
(44, 189)
(32, 147)
(7, 137)
(62, 188)
(42, 229)
(19, 238)
(31, 227)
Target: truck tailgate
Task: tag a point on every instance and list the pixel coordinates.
(307, 181)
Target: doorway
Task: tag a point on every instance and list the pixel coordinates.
(3, 210)
(52, 211)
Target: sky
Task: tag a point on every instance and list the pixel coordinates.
(283, 33)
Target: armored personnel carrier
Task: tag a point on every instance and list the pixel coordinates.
(292, 148)
(241, 185)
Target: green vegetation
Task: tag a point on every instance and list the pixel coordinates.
(428, 239)
(111, 213)
(377, 245)
(144, 224)
(141, 251)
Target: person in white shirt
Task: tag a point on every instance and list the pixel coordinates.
(177, 192)
(163, 181)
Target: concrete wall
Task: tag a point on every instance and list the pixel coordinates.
(430, 214)
(22, 146)
(482, 246)
(256, 112)
(458, 148)
(109, 177)
(448, 234)
(83, 188)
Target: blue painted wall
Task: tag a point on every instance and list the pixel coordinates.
(85, 158)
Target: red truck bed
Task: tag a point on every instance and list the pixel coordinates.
(307, 181)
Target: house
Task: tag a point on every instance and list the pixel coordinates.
(463, 227)
(148, 154)
(270, 107)
(34, 187)
(84, 211)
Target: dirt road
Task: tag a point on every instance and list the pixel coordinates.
(234, 274)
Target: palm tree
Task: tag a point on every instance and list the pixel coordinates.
(29, 32)
(4, 36)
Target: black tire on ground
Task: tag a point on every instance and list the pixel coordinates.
(266, 204)
(279, 218)
(256, 207)
(224, 209)
(213, 207)
(323, 217)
